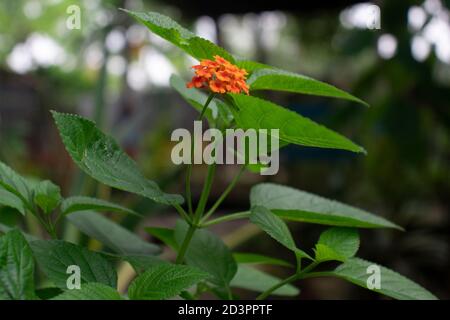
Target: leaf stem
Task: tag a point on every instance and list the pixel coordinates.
(228, 217)
(205, 193)
(185, 244)
(288, 280)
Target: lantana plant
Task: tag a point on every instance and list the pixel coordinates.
(222, 92)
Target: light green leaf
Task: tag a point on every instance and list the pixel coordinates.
(273, 226)
(90, 291)
(280, 80)
(79, 203)
(337, 244)
(171, 31)
(16, 268)
(112, 235)
(8, 199)
(55, 256)
(253, 258)
(100, 157)
(256, 280)
(208, 253)
(15, 183)
(165, 235)
(164, 281)
(392, 284)
(47, 196)
(296, 205)
(256, 113)
(251, 66)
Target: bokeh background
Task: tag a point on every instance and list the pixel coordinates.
(115, 72)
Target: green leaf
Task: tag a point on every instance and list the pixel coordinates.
(256, 280)
(100, 157)
(184, 39)
(16, 268)
(392, 284)
(337, 244)
(253, 258)
(48, 293)
(90, 291)
(208, 253)
(165, 235)
(79, 203)
(112, 235)
(256, 113)
(251, 66)
(141, 263)
(55, 256)
(15, 183)
(217, 113)
(273, 226)
(280, 80)
(164, 281)
(8, 199)
(47, 196)
(296, 205)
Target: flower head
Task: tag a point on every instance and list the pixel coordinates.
(220, 76)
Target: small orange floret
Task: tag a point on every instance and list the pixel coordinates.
(220, 76)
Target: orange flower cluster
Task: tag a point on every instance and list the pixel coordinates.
(220, 76)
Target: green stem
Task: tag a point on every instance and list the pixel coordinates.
(185, 244)
(205, 193)
(292, 278)
(189, 166)
(224, 194)
(182, 213)
(228, 217)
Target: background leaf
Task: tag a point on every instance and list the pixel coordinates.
(280, 80)
(296, 205)
(164, 281)
(90, 291)
(15, 183)
(80, 203)
(100, 157)
(256, 113)
(337, 244)
(392, 284)
(165, 235)
(8, 199)
(112, 235)
(256, 280)
(16, 268)
(54, 256)
(208, 253)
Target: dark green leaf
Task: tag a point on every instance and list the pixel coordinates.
(165, 235)
(164, 281)
(47, 196)
(48, 293)
(90, 291)
(253, 258)
(296, 205)
(100, 157)
(15, 183)
(337, 244)
(79, 203)
(256, 280)
(392, 284)
(142, 263)
(256, 113)
(16, 268)
(55, 256)
(112, 235)
(273, 226)
(208, 253)
(280, 80)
